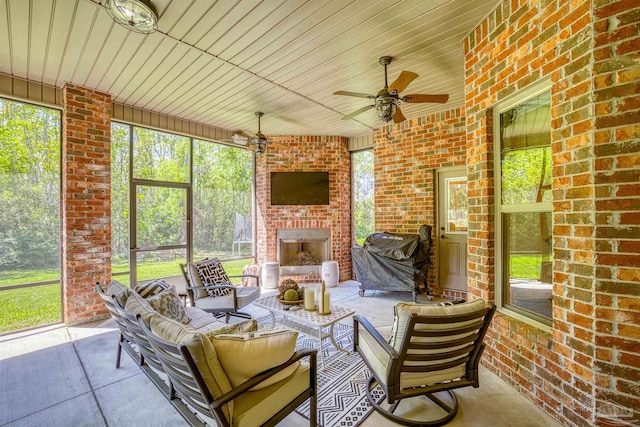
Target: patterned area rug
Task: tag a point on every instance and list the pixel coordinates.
(341, 384)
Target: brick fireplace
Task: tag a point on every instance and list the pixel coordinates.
(306, 154)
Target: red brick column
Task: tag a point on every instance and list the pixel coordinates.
(617, 229)
(521, 43)
(86, 201)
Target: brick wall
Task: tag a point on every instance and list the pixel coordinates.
(86, 201)
(405, 157)
(617, 227)
(592, 355)
(306, 154)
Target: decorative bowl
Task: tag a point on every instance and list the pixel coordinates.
(283, 302)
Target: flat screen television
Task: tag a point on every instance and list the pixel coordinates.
(299, 188)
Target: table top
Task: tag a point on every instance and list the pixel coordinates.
(311, 317)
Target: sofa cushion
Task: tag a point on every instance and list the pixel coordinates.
(243, 356)
(119, 291)
(137, 305)
(253, 408)
(248, 325)
(169, 304)
(151, 288)
(203, 353)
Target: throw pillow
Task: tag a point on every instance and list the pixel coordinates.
(120, 291)
(169, 304)
(211, 272)
(151, 288)
(243, 356)
(138, 305)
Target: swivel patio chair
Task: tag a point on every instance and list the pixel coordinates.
(210, 289)
(432, 349)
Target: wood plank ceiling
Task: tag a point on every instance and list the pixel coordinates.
(217, 62)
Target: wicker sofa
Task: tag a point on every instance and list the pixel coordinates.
(227, 374)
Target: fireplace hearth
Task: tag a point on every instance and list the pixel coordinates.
(302, 250)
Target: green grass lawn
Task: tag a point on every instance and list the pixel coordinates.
(41, 305)
(526, 266)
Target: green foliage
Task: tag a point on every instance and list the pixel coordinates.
(363, 195)
(29, 186)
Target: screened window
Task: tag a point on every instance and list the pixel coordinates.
(222, 201)
(524, 206)
(363, 195)
(30, 293)
(193, 199)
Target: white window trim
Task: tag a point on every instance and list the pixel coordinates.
(509, 103)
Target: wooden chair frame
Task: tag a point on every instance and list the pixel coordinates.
(470, 355)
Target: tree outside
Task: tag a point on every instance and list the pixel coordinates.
(363, 182)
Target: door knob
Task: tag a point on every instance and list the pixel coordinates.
(442, 236)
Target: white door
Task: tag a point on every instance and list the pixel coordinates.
(452, 228)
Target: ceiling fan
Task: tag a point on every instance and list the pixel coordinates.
(258, 141)
(386, 101)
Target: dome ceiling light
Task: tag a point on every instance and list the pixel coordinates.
(135, 15)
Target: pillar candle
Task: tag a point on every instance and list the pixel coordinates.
(326, 304)
(309, 300)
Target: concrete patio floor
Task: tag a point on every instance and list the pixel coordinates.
(66, 376)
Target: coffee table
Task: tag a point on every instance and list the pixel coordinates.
(308, 322)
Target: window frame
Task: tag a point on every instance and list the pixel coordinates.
(188, 186)
(499, 285)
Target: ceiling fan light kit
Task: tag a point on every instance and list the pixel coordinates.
(260, 142)
(387, 99)
(135, 15)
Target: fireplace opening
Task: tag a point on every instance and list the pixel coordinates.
(302, 250)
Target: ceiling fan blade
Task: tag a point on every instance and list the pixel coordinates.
(355, 113)
(416, 98)
(402, 81)
(356, 94)
(398, 116)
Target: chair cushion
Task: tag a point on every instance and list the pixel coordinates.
(137, 305)
(203, 353)
(244, 297)
(120, 291)
(245, 355)
(169, 304)
(194, 280)
(255, 407)
(403, 313)
(211, 272)
(151, 288)
(373, 353)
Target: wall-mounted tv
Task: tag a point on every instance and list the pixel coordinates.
(299, 188)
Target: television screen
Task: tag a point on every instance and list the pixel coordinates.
(299, 188)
